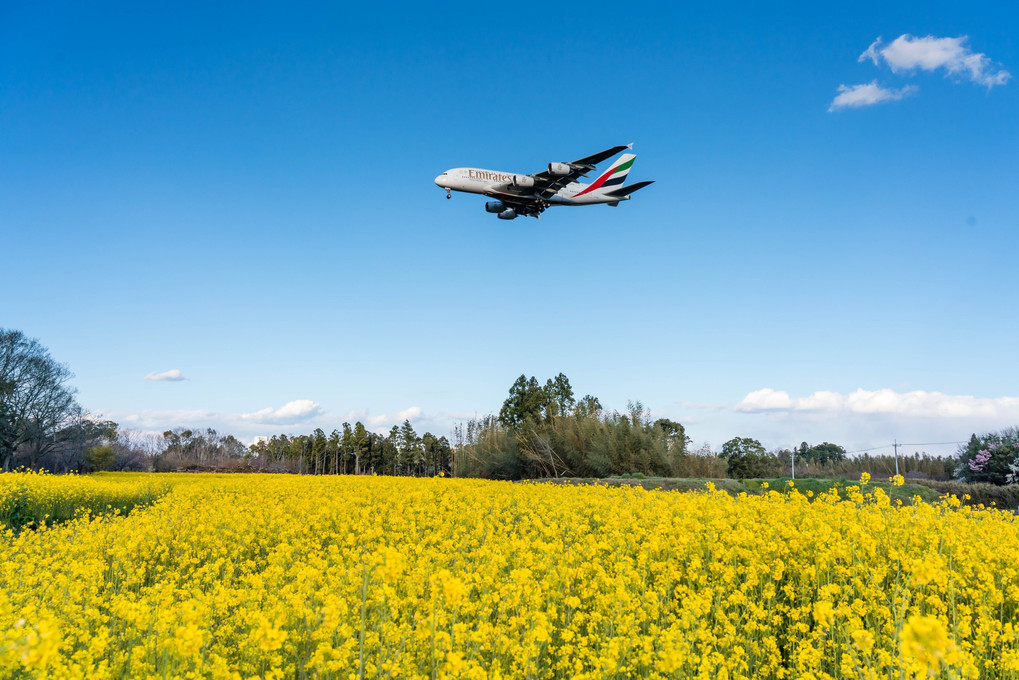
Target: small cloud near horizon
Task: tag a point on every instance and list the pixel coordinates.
(171, 376)
(291, 412)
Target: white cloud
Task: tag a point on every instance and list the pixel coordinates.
(159, 421)
(355, 415)
(414, 414)
(867, 94)
(291, 412)
(917, 403)
(859, 420)
(173, 375)
(765, 399)
(908, 53)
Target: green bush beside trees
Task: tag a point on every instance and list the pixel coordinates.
(544, 431)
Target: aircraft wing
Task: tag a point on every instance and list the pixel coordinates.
(547, 184)
(533, 200)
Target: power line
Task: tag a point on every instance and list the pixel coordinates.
(888, 446)
(872, 448)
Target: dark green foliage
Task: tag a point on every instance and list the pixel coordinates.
(526, 403)
(100, 458)
(741, 446)
(991, 458)
(824, 453)
(558, 396)
(746, 458)
(750, 465)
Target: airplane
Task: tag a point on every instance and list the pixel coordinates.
(557, 185)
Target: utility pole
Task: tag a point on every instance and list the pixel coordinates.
(794, 462)
(896, 445)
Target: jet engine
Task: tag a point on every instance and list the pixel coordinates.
(559, 168)
(508, 214)
(525, 181)
(495, 206)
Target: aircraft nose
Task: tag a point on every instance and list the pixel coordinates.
(439, 179)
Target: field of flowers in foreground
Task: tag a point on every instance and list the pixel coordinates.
(347, 577)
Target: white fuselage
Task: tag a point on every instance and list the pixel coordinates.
(495, 183)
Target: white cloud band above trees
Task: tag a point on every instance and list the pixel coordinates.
(412, 414)
(917, 403)
(294, 411)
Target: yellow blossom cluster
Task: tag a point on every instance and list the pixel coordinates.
(31, 499)
(366, 577)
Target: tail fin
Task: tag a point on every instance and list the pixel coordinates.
(614, 176)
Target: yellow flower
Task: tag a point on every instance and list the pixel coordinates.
(244, 576)
(390, 564)
(925, 642)
(268, 637)
(188, 640)
(453, 589)
(864, 640)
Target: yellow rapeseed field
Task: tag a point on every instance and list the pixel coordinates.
(268, 576)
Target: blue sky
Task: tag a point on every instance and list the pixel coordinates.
(243, 194)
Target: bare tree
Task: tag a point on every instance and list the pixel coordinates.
(36, 402)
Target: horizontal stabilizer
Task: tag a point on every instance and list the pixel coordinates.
(627, 190)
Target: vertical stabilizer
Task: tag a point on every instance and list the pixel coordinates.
(614, 176)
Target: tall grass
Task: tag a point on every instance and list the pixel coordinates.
(575, 445)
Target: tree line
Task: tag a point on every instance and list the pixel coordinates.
(348, 450)
(745, 458)
(356, 450)
(541, 430)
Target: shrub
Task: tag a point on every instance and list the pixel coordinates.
(990, 458)
(748, 465)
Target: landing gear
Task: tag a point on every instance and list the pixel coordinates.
(448, 194)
